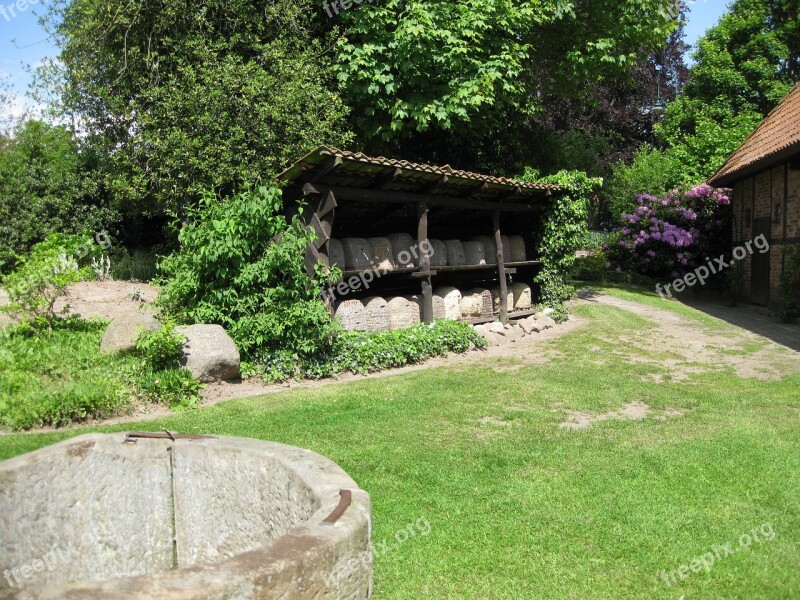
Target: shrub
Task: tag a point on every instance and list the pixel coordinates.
(670, 236)
(651, 171)
(358, 352)
(789, 287)
(241, 265)
(41, 278)
(161, 349)
(139, 266)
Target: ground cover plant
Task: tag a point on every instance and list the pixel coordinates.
(58, 376)
(520, 507)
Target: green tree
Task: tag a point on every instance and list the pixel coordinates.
(182, 98)
(744, 65)
(652, 171)
(48, 184)
(419, 65)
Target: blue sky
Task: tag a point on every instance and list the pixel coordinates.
(24, 42)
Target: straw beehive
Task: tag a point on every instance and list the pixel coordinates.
(474, 254)
(377, 314)
(506, 248)
(451, 299)
(401, 249)
(489, 248)
(517, 248)
(336, 254)
(522, 296)
(487, 306)
(472, 305)
(439, 311)
(352, 315)
(455, 253)
(438, 253)
(495, 292)
(402, 312)
(356, 253)
(381, 253)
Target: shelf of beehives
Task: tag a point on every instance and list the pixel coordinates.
(415, 271)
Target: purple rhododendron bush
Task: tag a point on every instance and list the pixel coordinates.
(670, 236)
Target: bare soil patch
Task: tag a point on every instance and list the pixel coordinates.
(633, 411)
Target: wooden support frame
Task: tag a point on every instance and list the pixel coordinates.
(501, 268)
(423, 245)
(386, 197)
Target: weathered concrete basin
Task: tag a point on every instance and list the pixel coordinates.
(126, 516)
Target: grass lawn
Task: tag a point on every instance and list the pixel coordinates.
(520, 508)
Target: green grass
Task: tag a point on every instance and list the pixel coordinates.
(520, 508)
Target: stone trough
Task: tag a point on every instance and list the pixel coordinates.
(175, 516)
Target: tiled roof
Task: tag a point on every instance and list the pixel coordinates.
(357, 169)
(778, 134)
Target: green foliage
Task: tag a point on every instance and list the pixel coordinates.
(367, 352)
(161, 349)
(744, 65)
(241, 265)
(175, 387)
(216, 96)
(139, 266)
(47, 185)
(412, 66)
(595, 240)
(41, 278)
(58, 376)
(563, 232)
(651, 172)
(789, 287)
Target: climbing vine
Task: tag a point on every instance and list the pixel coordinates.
(563, 231)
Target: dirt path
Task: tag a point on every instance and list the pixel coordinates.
(695, 348)
(700, 349)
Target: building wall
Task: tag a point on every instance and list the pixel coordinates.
(773, 193)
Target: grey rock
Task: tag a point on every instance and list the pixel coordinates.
(495, 327)
(526, 326)
(209, 353)
(547, 322)
(122, 332)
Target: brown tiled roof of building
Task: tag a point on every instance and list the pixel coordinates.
(359, 170)
(774, 139)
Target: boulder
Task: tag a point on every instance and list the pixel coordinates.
(547, 322)
(209, 353)
(527, 325)
(495, 327)
(122, 332)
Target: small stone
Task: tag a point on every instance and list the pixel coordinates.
(209, 353)
(526, 326)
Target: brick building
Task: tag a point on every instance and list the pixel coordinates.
(764, 174)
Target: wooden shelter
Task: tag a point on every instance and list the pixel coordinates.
(353, 195)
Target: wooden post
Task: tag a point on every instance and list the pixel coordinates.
(501, 268)
(423, 245)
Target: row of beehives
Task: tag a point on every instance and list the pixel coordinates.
(399, 312)
(399, 250)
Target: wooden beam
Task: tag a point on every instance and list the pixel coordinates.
(434, 185)
(387, 197)
(424, 262)
(501, 268)
(326, 166)
(479, 189)
(385, 178)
